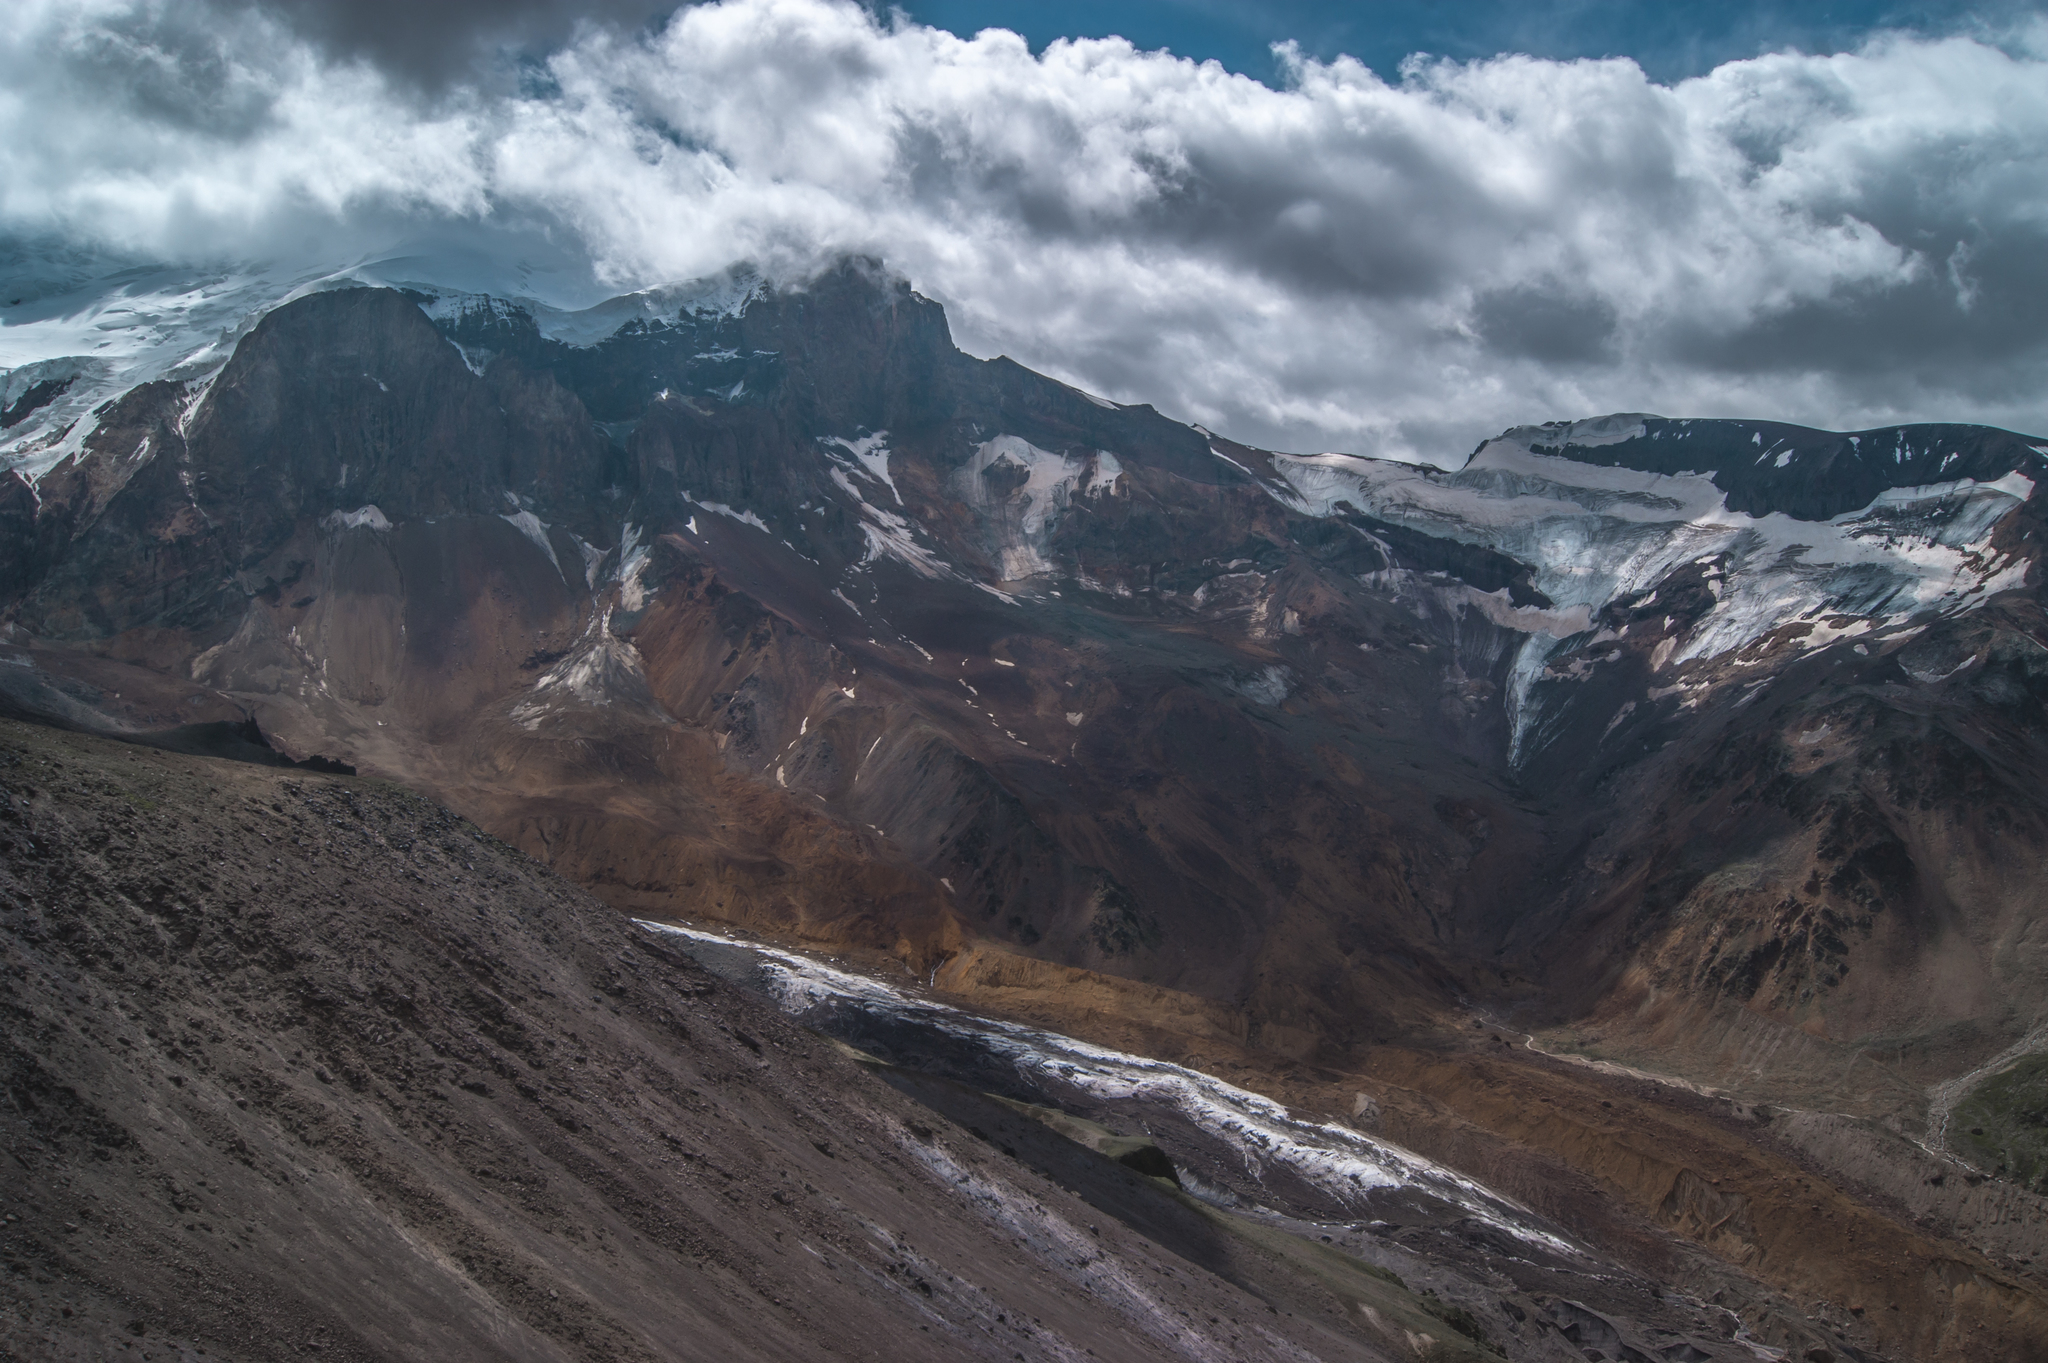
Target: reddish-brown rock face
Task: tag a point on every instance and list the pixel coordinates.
(787, 612)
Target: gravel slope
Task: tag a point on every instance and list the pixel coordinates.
(303, 1064)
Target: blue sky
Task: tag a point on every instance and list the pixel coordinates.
(1669, 40)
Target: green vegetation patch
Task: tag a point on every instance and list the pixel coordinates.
(2002, 1124)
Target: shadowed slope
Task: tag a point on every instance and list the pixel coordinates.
(301, 1063)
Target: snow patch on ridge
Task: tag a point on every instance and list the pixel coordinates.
(1239, 467)
(2015, 484)
(724, 295)
(1592, 534)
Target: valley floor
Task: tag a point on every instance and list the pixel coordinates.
(1822, 1232)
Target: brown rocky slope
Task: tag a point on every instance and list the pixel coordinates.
(299, 1064)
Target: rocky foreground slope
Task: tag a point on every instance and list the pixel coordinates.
(304, 1065)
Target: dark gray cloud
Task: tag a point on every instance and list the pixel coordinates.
(1344, 262)
(1546, 322)
(432, 43)
(175, 68)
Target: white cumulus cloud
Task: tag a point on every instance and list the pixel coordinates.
(1397, 265)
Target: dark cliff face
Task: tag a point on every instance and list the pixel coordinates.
(1809, 475)
(792, 614)
(352, 398)
(118, 543)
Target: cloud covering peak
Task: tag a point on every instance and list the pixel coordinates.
(1349, 262)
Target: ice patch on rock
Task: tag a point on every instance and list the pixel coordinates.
(1429, 593)
(593, 559)
(1102, 477)
(1267, 687)
(889, 535)
(365, 517)
(1928, 677)
(743, 517)
(632, 563)
(535, 529)
(1233, 463)
(869, 452)
(602, 670)
(1591, 433)
(474, 358)
(1020, 490)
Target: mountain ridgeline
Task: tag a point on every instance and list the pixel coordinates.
(772, 606)
(1710, 747)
